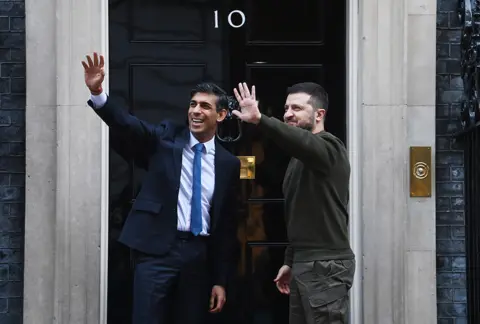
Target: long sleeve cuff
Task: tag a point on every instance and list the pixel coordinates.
(99, 100)
(288, 256)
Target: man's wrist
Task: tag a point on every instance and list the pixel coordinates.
(256, 121)
(96, 92)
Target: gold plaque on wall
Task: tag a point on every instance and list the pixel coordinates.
(247, 167)
(420, 171)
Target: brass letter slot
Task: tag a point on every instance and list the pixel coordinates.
(420, 171)
(247, 167)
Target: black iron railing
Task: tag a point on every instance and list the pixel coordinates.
(469, 14)
(471, 144)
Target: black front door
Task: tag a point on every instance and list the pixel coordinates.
(159, 49)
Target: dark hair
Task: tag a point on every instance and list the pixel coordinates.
(318, 95)
(212, 88)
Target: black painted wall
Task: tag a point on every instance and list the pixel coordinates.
(12, 159)
(451, 276)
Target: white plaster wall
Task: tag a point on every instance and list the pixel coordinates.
(40, 163)
(398, 111)
(65, 145)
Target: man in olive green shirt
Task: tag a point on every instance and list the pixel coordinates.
(319, 264)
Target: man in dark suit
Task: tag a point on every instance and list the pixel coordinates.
(181, 226)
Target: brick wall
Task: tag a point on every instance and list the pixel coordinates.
(12, 159)
(451, 276)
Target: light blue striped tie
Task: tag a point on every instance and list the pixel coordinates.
(196, 214)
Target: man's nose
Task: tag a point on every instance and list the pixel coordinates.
(288, 114)
(196, 109)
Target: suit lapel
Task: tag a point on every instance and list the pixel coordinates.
(221, 183)
(178, 146)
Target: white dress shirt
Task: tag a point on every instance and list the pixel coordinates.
(184, 205)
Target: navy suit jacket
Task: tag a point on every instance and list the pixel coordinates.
(151, 225)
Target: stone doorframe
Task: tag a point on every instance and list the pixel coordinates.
(391, 106)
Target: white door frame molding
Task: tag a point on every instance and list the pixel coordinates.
(353, 145)
(105, 176)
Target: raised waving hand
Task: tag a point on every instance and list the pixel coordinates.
(94, 73)
(249, 111)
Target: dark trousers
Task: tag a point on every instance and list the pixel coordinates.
(173, 288)
(319, 292)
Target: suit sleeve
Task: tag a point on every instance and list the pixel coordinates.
(224, 256)
(130, 136)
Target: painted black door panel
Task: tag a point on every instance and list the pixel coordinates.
(159, 49)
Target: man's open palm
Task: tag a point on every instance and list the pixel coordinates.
(248, 104)
(94, 72)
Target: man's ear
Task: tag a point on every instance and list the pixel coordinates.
(221, 115)
(320, 115)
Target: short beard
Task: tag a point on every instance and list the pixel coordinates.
(309, 125)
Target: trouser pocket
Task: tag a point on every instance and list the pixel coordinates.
(324, 287)
(329, 305)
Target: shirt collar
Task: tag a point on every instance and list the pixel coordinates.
(209, 146)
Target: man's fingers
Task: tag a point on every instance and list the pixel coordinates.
(220, 303)
(237, 114)
(213, 305)
(90, 62)
(254, 94)
(98, 60)
(245, 89)
(85, 66)
(242, 90)
(212, 301)
(237, 95)
(283, 288)
(282, 285)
